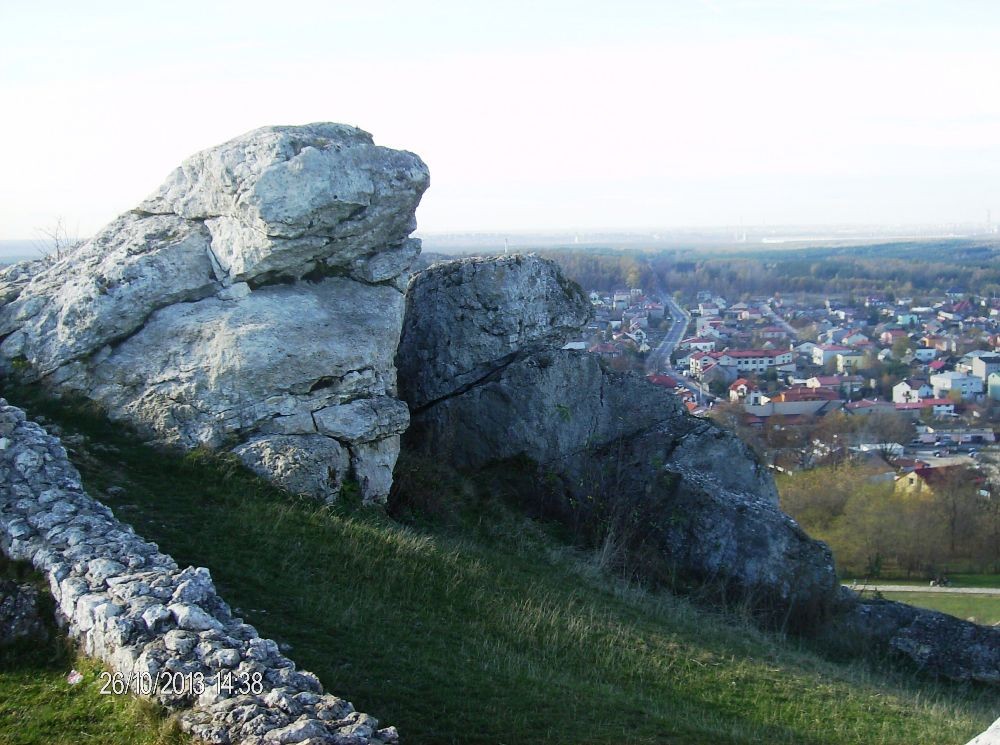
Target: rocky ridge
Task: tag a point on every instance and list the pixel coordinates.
(151, 622)
(481, 367)
(252, 303)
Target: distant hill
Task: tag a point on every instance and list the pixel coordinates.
(14, 251)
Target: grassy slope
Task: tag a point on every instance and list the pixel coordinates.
(490, 632)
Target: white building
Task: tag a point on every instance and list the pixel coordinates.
(944, 383)
(986, 365)
(911, 391)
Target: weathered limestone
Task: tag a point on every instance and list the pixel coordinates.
(476, 314)
(131, 606)
(484, 389)
(256, 293)
(939, 644)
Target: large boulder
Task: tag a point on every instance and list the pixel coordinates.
(476, 314)
(939, 644)
(610, 448)
(256, 294)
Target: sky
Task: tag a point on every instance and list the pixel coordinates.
(579, 115)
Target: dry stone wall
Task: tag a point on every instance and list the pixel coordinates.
(160, 629)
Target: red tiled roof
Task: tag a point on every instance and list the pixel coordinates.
(799, 393)
(662, 380)
(742, 381)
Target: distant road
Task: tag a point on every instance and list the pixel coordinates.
(659, 358)
(781, 321)
(926, 588)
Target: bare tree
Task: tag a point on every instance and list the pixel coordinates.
(55, 241)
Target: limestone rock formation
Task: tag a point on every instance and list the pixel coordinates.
(253, 299)
(497, 389)
(939, 644)
(503, 306)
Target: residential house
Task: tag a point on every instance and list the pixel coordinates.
(964, 365)
(938, 407)
(911, 390)
(773, 332)
(744, 391)
(891, 335)
(854, 337)
(946, 382)
(845, 385)
(985, 365)
(823, 353)
(848, 362)
(801, 393)
(698, 344)
(993, 386)
(869, 406)
(755, 360)
(925, 481)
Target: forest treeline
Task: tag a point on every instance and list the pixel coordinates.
(900, 269)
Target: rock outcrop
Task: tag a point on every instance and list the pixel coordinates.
(476, 315)
(938, 644)
(481, 368)
(253, 302)
(163, 632)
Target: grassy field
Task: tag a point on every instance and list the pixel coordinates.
(481, 627)
(957, 579)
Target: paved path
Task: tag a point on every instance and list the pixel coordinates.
(925, 588)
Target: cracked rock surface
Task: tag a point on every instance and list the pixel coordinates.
(255, 294)
(943, 646)
(481, 368)
(151, 622)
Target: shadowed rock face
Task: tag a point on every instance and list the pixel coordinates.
(495, 392)
(477, 314)
(255, 297)
(938, 644)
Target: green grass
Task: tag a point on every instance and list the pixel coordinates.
(481, 627)
(39, 707)
(984, 609)
(957, 579)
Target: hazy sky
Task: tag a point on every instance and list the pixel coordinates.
(530, 115)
